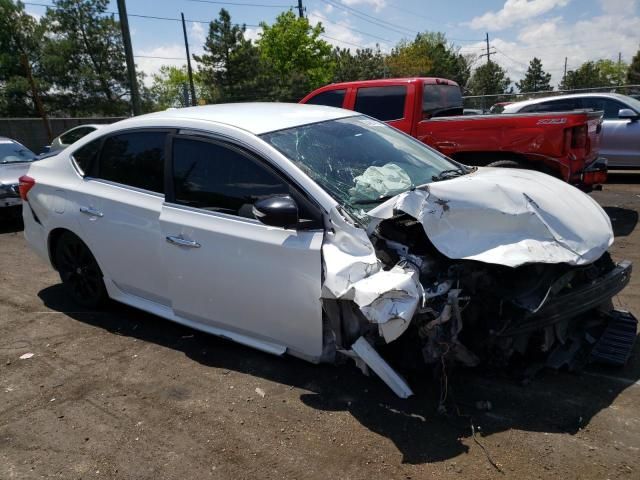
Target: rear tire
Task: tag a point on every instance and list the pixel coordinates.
(79, 271)
(506, 164)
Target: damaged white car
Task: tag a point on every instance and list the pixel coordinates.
(328, 235)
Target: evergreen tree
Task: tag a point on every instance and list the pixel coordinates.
(489, 79)
(366, 64)
(633, 74)
(536, 79)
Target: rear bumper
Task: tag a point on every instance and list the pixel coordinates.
(593, 176)
(581, 300)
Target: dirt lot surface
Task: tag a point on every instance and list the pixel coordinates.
(124, 394)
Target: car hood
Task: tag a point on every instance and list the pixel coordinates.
(507, 217)
(11, 172)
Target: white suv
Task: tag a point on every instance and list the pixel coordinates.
(322, 233)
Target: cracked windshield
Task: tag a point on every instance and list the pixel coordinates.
(361, 162)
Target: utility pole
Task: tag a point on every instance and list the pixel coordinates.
(619, 68)
(189, 71)
(489, 52)
(300, 9)
(564, 77)
(128, 51)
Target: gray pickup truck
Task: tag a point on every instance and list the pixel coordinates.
(620, 141)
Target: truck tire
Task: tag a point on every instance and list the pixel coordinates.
(506, 164)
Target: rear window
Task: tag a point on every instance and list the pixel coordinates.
(383, 103)
(441, 100)
(330, 98)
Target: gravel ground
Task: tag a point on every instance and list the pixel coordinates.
(123, 394)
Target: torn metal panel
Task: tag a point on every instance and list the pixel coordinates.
(368, 355)
(506, 217)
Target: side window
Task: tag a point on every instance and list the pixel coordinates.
(383, 103)
(609, 106)
(330, 98)
(135, 159)
(86, 155)
(563, 105)
(221, 179)
(75, 135)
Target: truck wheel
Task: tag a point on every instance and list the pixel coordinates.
(506, 164)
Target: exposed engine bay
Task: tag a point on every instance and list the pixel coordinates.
(394, 290)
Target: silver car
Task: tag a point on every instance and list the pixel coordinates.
(620, 143)
(15, 159)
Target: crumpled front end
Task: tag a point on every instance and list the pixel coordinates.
(473, 271)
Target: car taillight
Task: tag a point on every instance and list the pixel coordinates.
(579, 137)
(25, 184)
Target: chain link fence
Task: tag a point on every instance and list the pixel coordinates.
(485, 102)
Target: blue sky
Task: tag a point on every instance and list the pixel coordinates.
(580, 30)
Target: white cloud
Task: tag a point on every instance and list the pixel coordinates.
(622, 7)
(197, 33)
(376, 4)
(599, 37)
(173, 54)
(253, 33)
(515, 11)
(339, 33)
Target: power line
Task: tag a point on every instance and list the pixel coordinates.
(371, 19)
(244, 4)
(343, 41)
(352, 29)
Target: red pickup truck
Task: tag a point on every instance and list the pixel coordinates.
(563, 144)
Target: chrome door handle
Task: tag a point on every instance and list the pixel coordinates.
(91, 211)
(182, 242)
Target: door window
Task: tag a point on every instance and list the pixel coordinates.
(85, 155)
(330, 98)
(75, 135)
(135, 159)
(221, 178)
(562, 105)
(609, 106)
(383, 103)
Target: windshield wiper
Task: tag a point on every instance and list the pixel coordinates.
(445, 174)
(364, 201)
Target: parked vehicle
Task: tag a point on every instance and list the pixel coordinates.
(620, 142)
(72, 135)
(326, 234)
(564, 145)
(472, 111)
(15, 159)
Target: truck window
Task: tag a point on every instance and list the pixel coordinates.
(441, 100)
(330, 98)
(609, 106)
(383, 103)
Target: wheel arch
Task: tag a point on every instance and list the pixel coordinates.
(52, 242)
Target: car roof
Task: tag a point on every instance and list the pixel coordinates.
(518, 105)
(257, 117)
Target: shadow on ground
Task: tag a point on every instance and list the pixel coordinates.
(623, 220)
(554, 403)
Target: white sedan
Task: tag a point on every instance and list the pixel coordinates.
(326, 234)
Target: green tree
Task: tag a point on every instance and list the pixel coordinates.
(298, 58)
(22, 82)
(230, 68)
(489, 79)
(536, 79)
(633, 73)
(168, 87)
(429, 54)
(85, 56)
(601, 73)
(366, 64)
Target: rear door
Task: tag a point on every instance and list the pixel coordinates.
(227, 270)
(389, 103)
(120, 199)
(620, 143)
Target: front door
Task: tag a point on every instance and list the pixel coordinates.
(229, 271)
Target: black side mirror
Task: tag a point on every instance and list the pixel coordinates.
(277, 211)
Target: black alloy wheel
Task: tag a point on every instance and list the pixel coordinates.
(79, 271)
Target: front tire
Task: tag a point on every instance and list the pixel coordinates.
(79, 271)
